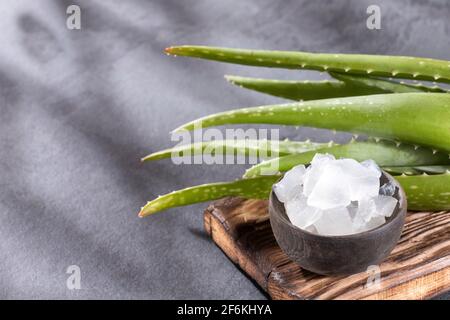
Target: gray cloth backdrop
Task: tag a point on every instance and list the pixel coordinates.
(79, 109)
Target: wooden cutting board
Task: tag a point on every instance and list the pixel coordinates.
(418, 267)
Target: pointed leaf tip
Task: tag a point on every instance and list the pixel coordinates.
(230, 78)
(144, 212)
(169, 50)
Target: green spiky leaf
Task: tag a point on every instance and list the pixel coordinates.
(383, 153)
(386, 86)
(362, 64)
(258, 188)
(427, 192)
(257, 148)
(424, 192)
(417, 118)
(303, 90)
(410, 171)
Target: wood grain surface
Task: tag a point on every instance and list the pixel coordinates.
(417, 268)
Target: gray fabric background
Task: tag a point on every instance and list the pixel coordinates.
(79, 108)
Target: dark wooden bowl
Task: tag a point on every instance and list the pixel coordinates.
(338, 255)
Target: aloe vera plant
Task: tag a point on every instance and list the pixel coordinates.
(258, 148)
(388, 86)
(257, 188)
(347, 86)
(365, 97)
(385, 154)
(417, 170)
(425, 192)
(418, 118)
(304, 90)
(360, 64)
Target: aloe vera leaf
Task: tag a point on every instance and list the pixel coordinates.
(258, 188)
(424, 192)
(417, 118)
(383, 85)
(303, 90)
(427, 192)
(396, 171)
(416, 170)
(432, 169)
(383, 153)
(258, 148)
(348, 86)
(375, 65)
